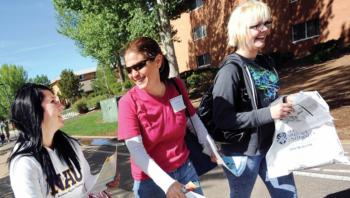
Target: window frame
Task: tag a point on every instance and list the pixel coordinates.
(204, 56)
(203, 32)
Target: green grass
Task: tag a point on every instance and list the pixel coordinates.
(90, 124)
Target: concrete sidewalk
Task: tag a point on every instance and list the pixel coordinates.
(214, 183)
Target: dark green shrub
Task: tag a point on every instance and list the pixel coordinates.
(81, 106)
(194, 80)
(280, 58)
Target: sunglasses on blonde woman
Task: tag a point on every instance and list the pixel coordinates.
(137, 66)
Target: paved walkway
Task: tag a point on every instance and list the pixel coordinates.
(213, 183)
(97, 154)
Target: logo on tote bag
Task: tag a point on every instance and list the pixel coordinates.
(282, 138)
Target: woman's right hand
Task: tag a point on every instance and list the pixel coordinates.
(175, 191)
(281, 111)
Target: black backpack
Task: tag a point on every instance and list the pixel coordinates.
(205, 109)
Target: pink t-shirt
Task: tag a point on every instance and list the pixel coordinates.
(162, 130)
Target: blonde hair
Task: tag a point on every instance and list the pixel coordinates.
(243, 16)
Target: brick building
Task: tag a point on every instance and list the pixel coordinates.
(86, 76)
(297, 26)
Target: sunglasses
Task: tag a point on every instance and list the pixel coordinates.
(137, 66)
(260, 26)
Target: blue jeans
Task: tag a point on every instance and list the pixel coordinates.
(184, 174)
(242, 185)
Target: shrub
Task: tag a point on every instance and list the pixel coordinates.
(94, 102)
(201, 78)
(281, 57)
(325, 51)
(193, 80)
(81, 106)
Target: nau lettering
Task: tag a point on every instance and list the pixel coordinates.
(67, 179)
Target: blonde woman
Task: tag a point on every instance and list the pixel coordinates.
(244, 89)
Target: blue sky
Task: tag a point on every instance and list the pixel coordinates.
(29, 38)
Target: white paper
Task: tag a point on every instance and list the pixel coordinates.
(221, 161)
(215, 150)
(106, 174)
(191, 194)
(310, 111)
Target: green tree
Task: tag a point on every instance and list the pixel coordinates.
(105, 80)
(102, 28)
(12, 77)
(40, 79)
(69, 85)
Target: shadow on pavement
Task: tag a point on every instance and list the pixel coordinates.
(97, 155)
(6, 191)
(341, 194)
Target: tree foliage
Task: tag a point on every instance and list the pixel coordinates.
(69, 85)
(40, 79)
(102, 28)
(12, 77)
(105, 80)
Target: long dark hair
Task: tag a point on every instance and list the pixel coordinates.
(27, 115)
(150, 49)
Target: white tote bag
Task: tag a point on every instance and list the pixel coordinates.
(306, 139)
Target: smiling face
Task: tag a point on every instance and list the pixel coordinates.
(143, 71)
(52, 118)
(257, 34)
(248, 36)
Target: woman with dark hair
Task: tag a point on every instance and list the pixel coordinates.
(152, 122)
(45, 161)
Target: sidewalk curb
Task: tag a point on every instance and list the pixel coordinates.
(94, 137)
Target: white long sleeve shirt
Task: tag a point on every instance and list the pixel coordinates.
(150, 167)
(28, 179)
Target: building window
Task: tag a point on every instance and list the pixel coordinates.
(81, 77)
(199, 32)
(306, 30)
(196, 4)
(203, 60)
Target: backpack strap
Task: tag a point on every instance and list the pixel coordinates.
(188, 115)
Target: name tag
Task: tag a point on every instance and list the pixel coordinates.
(177, 103)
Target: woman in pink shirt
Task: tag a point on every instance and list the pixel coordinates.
(152, 122)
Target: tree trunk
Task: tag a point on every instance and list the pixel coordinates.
(105, 79)
(165, 36)
(120, 67)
